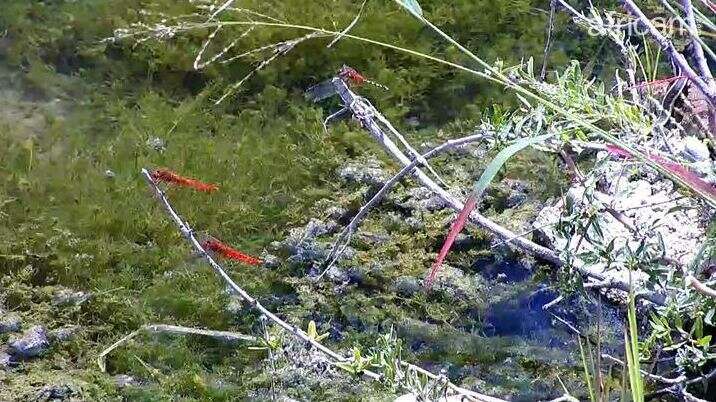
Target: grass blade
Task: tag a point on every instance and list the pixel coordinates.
(631, 346)
(496, 164)
(587, 374)
(450, 239)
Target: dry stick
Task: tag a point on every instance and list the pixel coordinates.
(188, 234)
(350, 26)
(224, 336)
(279, 49)
(242, 11)
(364, 112)
(698, 285)
(413, 153)
(699, 45)
(710, 5)
(668, 47)
(219, 10)
(344, 238)
(565, 398)
(692, 30)
(523, 234)
(199, 64)
(678, 380)
(700, 379)
(691, 280)
(688, 397)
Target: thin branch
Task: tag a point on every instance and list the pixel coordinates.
(350, 26)
(565, 398)
(523, 234)
(224, 336)
(188, 233)
(702, 379)
(690, 279)
(413, 153)
(699, 45)
(701, 62)
(548, 41)
(698, 285)
(344, 237)
(664, 380)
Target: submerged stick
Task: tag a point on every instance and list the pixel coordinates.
(223, 336)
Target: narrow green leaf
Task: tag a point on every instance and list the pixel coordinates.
(587, 374)
(632, 352)
(413, 6)
(472, 201)
(494, 167)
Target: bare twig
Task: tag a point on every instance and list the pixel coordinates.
(668, 47)
(565, 398)
(701, 62)
(653, 377)
(278, 49)
(224, 336)
(548, 40)
(350, 26)
(344, 237)
(188, 234)
(700, 379)
(411, 151)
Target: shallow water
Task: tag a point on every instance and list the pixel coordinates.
(106, 237)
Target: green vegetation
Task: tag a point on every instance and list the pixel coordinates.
(80, 116)
(74, 212)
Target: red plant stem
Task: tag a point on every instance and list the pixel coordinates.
(679, 170)
(656, 82)
(229, 252)
(170, 177)
(450, 239)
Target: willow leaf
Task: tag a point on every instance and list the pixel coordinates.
(487, 176)
(496, 164)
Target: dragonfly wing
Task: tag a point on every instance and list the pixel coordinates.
(321, 91)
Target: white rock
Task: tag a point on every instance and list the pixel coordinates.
(695, 150)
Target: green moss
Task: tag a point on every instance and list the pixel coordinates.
(75, 213)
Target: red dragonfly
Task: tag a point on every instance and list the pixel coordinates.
(228, 252)
(173, 178)
(326, 89)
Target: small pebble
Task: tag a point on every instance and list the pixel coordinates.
(33, 343)
(124, 381)
(10, 323)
